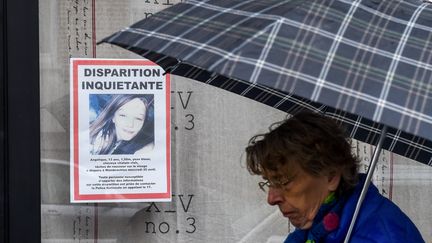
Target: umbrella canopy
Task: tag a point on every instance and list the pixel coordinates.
(364, 62)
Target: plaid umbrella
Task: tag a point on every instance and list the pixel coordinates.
(366, 63)
(369, 62)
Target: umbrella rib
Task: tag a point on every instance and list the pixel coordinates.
(395, 61)
(230, 28)
(137, 43)
(265, 51)
(203, 45)
(396, 20)
(331, 54)
(231, 54)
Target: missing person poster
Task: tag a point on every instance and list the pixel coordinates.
(120, 131)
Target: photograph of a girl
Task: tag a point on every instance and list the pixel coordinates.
(121, 124)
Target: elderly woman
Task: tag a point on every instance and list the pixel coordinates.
(310, 173)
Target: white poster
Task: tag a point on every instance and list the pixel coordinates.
(120, 131)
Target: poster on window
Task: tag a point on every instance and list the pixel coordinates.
(119, 131)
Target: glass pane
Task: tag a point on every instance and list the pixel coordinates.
(214, 197)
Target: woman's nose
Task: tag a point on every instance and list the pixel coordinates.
(129, 122)
(274, 196)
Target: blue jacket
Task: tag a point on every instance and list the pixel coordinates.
(379, 220)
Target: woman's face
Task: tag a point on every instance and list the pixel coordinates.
(129, 119)
(301, 198)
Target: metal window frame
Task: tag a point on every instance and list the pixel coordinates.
(19, 122)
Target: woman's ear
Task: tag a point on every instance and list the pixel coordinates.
(333, 181)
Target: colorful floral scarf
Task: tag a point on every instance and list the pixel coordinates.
(326, 221)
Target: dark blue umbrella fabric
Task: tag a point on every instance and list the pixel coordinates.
(367, 63)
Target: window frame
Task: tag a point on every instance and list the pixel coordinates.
(20, 122)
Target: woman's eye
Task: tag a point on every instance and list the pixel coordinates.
(122, 115)
(139, 119)
(287, 184)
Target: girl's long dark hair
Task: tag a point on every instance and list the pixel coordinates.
(104, 126)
